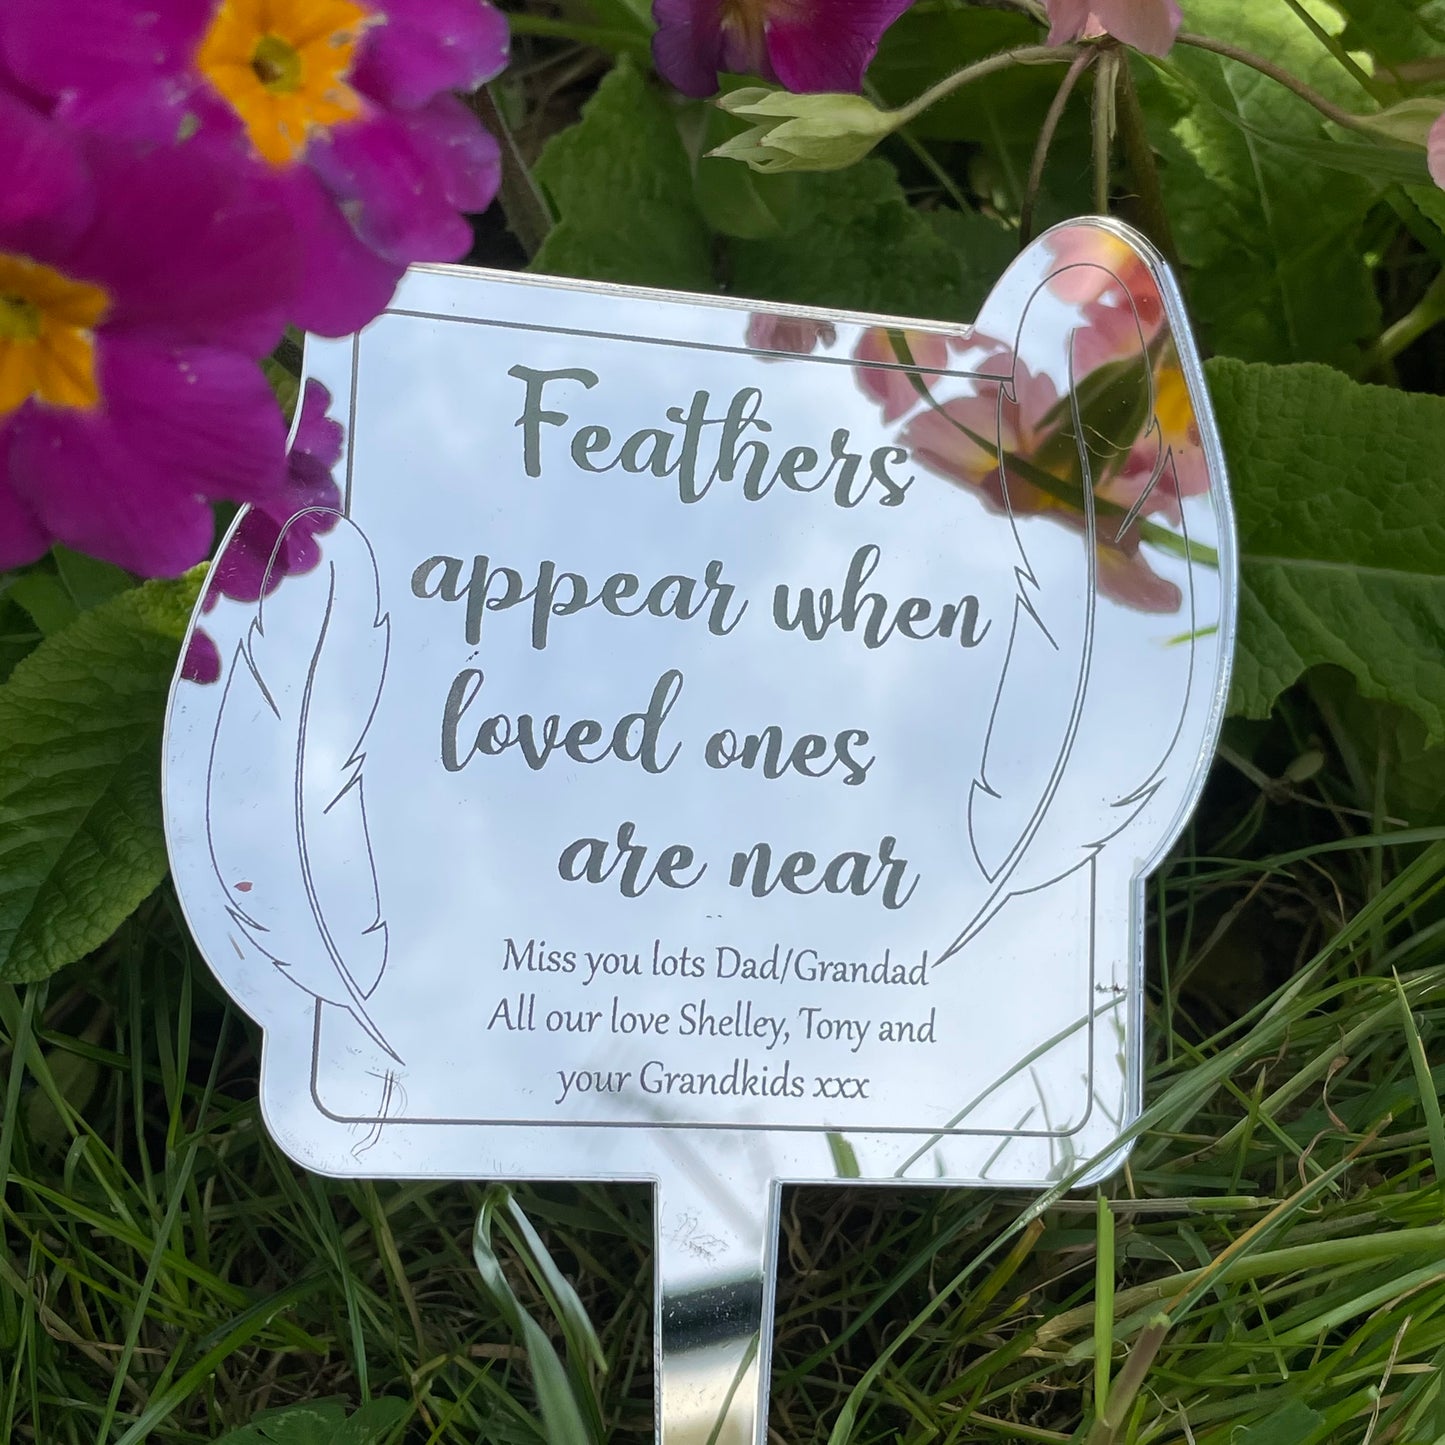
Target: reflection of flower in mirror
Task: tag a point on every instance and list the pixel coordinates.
(252, 564)
(798, 334)
(961, 440)
(895, 389)
(1142, 435)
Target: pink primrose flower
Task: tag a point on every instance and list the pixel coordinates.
(252, 564)
(897, 391)
(344, 108)
(1147, 25)
(138, 288)
(802, 45)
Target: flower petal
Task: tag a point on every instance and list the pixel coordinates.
(688, 43)
(374, 171)
(1068, 19)
(45, 192)
(95, 46)
(829, 44)
(1126, 577)
(421, 48)
(767, 332)
(186, 243)
(131, 482)
(22, 537)
(1147, 25)
(318, 434)
(202, 662)
(343, 283)
(462, 155)
(896, 390)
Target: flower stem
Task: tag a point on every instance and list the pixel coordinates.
(1280, 75)
(1426, 314)
(991, 65)
(1082, 61)
(527, 214)
(1143, 168)
(1104, 84)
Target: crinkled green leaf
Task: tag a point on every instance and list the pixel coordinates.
(1273, 244)
(80, 811)
(1340, 495)
(621, 187)
(982, 250)
(862, 247)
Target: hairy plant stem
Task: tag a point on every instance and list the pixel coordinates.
(1143, 168)
(1082, 61)
(991, 65)
(1280, 75)
(1104, 85)
(528, 216)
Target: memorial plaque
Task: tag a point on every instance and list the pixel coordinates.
(715, 744)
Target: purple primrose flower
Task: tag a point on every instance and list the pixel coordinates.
(803, 45)
(138, 289)
(344, 108)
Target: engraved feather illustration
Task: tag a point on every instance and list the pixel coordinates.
(1057, 781)
(285, 805)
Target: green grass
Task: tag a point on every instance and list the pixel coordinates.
(1268, 1269)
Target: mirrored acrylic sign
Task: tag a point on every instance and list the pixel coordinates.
(714, 745)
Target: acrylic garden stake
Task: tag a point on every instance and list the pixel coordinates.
(718, 747)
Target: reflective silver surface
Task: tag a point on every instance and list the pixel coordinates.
(716, 747)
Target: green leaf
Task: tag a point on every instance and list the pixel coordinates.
(89, 580)
(373, 1422)
(323, 1422)
(1409, 781)
(18, 634)
(1340, 496)
(1394, 30)
(80, 812)
(44, 597)
(928, 43)
(621, 187)
(860, 246)
(1265, 234)
(982, 251)
(1293, 1423)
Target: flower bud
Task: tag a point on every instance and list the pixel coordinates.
(1410, 120)
(803, 132)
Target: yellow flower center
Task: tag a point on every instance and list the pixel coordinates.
(282, 66)
(47, 343)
